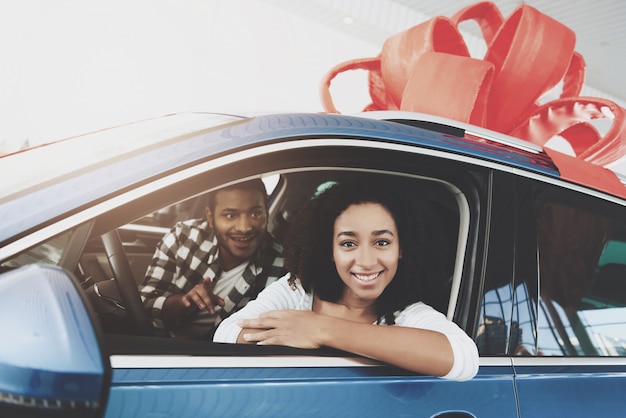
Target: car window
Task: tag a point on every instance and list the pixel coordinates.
(505, 322)
(49, 252)
(563, 286)
(582, 259)
(448, 208)
(450, 192)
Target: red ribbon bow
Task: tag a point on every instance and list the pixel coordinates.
(428, 69)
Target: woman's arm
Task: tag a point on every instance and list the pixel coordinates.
(419, 350)
(448, 352)
(276, 296)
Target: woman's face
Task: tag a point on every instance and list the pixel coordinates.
(366, 249)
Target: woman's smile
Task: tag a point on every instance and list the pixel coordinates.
(367, 277)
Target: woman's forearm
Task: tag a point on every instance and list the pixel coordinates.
(418, 350)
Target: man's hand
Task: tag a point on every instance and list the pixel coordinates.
(300, 329)
(202, 297)
(177, 308)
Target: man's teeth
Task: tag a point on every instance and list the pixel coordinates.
(242, 238)
(366, 277)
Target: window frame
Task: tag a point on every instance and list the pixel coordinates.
(457, 175)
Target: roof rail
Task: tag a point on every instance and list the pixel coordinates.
(476, 131)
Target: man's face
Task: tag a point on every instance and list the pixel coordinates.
(239, 220)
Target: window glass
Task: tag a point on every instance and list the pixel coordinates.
(582, 279)
(555, 283)
(447, 219)
(191, 208)
(507, 319)
(495, 317)
(49, 252)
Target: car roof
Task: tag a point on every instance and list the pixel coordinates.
(55, 160)
(87, 168)
(570, 168)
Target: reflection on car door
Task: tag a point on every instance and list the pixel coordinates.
(563, 317)
(148, 386)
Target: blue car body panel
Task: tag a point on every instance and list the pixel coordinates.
(574, 391)
(288, 392)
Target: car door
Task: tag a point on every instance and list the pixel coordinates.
(575, 364)
(560, 311)
(224, 380)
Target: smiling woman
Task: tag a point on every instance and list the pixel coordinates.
(356, 259)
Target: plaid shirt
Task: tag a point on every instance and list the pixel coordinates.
(189, 253)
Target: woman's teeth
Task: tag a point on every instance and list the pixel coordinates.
(366, 277)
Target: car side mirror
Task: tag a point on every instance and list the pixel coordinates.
(50, 358)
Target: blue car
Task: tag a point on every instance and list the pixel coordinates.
(534, 244)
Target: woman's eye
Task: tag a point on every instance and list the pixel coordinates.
(347, 244)
(382, 243)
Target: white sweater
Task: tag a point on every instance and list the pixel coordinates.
(280, 296)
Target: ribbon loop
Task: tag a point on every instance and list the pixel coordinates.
(428, 69)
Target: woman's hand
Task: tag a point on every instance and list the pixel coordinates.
(299, 329)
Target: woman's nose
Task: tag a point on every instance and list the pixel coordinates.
(366, 257)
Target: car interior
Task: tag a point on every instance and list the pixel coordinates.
(288, 192)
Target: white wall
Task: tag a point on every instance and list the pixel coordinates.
(73, 66)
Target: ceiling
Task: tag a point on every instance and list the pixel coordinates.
(599, 28)
(164, 56)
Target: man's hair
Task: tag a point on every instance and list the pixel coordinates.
(309, 253)
(256, 185)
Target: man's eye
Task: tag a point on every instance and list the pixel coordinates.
(257, 214)
(230, 216)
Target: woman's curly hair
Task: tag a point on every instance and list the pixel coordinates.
(309, 250)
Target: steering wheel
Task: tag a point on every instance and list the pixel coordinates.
(125, 281)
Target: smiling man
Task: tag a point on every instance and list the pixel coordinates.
(205, 269)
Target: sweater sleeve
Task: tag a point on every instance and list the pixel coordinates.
(160, 278)
(420, 315)
(277, 296)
